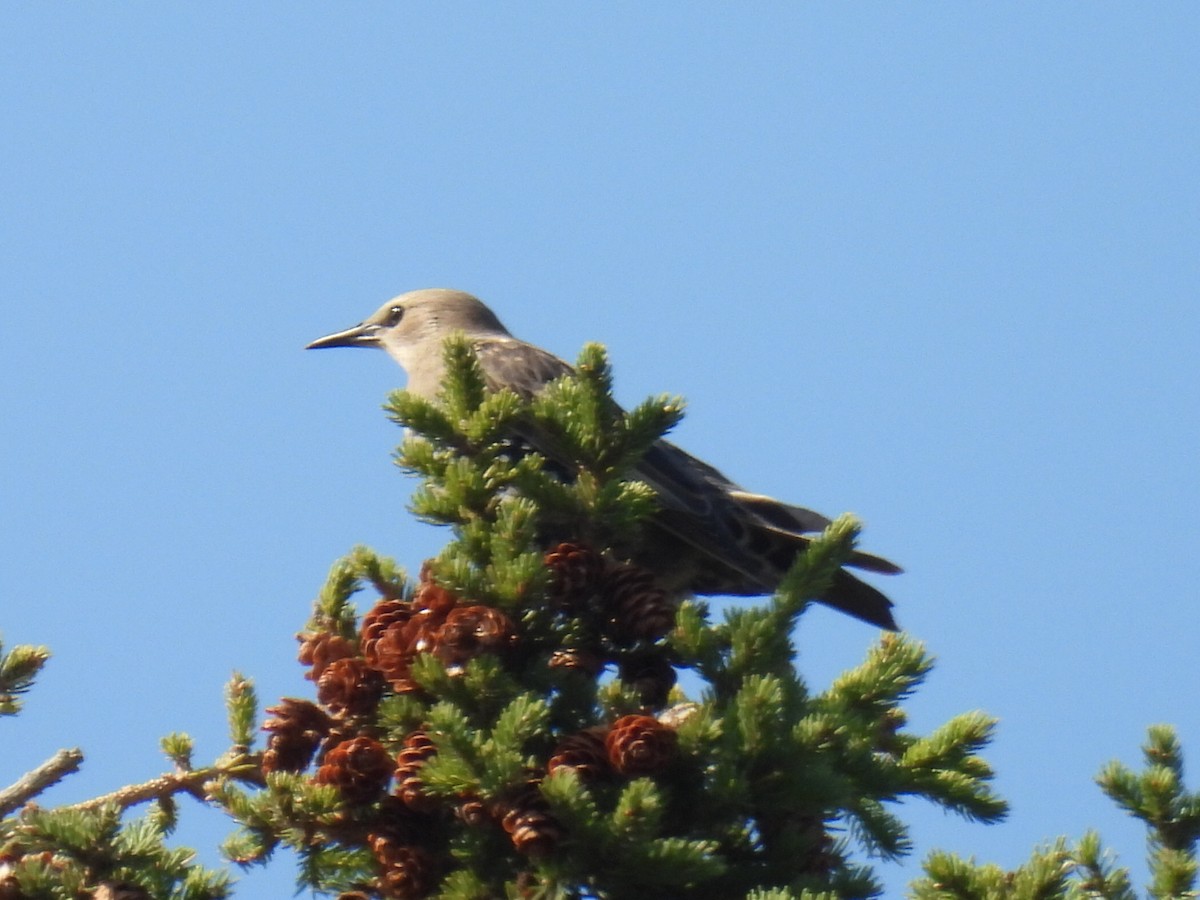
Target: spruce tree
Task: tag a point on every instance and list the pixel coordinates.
(508, 723)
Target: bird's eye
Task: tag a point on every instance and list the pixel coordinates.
(394, 315)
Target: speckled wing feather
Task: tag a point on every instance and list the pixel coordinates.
(769, 533)
(723, 545)
(521, 367)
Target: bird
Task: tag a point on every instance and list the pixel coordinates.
(712, 537)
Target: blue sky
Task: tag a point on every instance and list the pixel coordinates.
(936, 264)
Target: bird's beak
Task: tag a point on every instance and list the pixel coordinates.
(364, 334)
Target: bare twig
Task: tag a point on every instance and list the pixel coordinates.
(29, 785)
(193, 781)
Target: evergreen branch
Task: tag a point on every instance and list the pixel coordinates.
(49, 773)
(894, 668)
(1097, 873)
(593, 369)
(1055, 871)
(1172, 874)
(813, 571)
(882, 833)
(464, 387)
(511, 723)
(178, 749)
(18, 668)
(332, 610)
(382, 571)
(646, 423)
(421, 417)
(494, 417)
(241, 705)
(951, 744)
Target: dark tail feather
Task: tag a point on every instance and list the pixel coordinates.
(859, 599)
(872, 563)
(797, 526)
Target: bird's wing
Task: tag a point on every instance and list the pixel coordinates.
(781, 515)
(761, 525)
(698, 509)
(743, 532)
(521, 367)
(694, 504)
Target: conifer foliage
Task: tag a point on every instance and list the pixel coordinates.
(509, 723)
(535, 716)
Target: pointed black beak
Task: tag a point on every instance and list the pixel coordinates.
(364, 334)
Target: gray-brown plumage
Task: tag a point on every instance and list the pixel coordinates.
(712, 536)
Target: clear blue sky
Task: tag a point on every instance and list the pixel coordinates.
(937, 264)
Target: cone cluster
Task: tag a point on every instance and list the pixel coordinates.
(632, 746)
(384, 790)
(634, 606)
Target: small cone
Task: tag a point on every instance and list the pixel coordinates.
(526, 818)
(472, 812)
(418, 749)
(637, 606)
(297, 729)
(319, 648)
(406, 872)
(576, 572)
(350, 687)
(585, 662)
(382, 616)
(395, 631)
(469, 631)
(583, 752)
(640, 745)
(360, 768)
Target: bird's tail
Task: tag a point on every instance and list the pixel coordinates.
(797, 523)
(850, 595)
(847, 593)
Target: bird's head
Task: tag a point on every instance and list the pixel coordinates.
(413, 325)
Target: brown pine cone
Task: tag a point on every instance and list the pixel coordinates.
(392, 654)
(637, 606)
(585, 662)
(469, 631)
(528, 822)
(359, 768)
(406, 872)
(584, 752)
(350, 687)
(430, 595)
(431, 605)
(640, 745)
(393, 638)
(319, 648)
(296, 731)
(576, 571)
(472, 811)
(418, 747)
(651, 676)
(379, 619)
